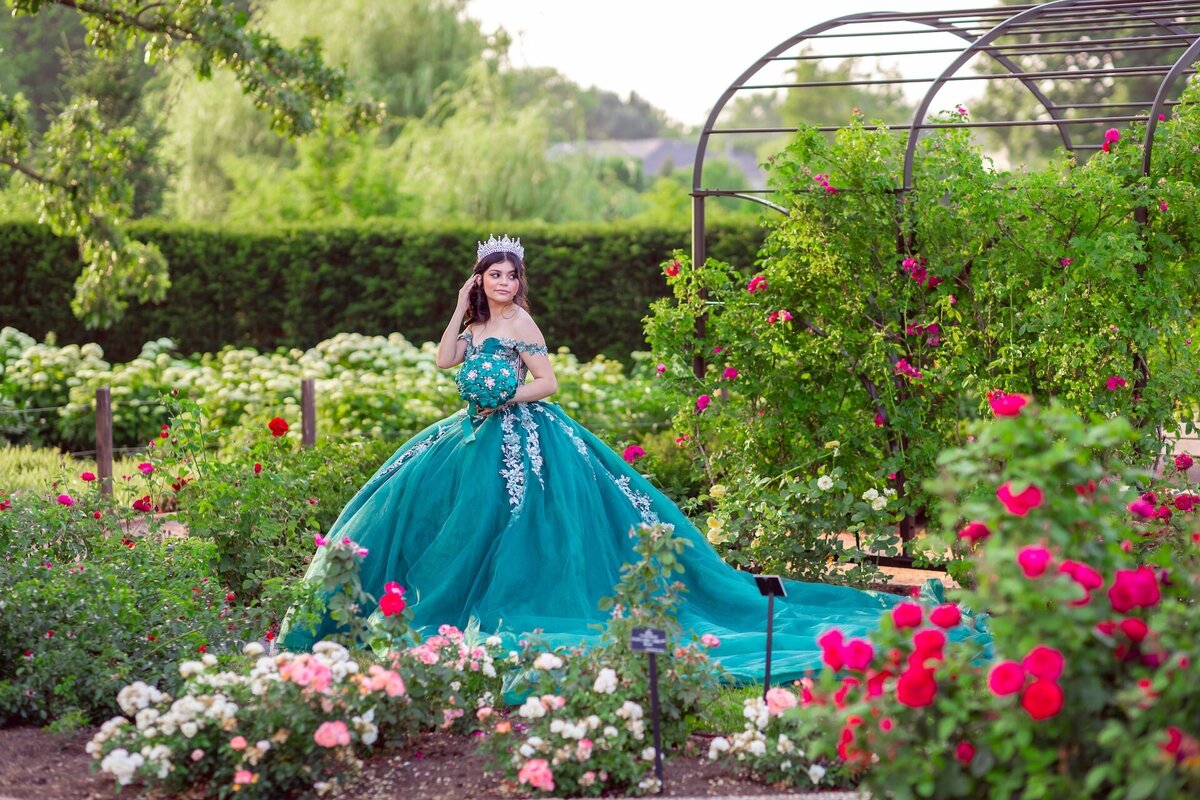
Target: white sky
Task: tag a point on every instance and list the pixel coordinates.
(682, 54)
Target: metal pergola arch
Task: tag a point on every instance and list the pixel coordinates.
(1004, 34)
(1108, 28)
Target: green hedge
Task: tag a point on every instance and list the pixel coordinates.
(590, 285)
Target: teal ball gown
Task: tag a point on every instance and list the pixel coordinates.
(521, 520)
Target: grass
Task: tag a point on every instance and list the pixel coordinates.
(36, 469)
(724, 714)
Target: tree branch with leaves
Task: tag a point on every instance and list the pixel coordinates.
(80, 167)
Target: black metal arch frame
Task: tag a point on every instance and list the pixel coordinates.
(1004, 34)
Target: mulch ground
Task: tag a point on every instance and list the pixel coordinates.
(35, 765)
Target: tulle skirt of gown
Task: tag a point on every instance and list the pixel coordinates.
(527, 526)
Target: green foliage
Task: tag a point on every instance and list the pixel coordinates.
(81, 165)
(860, 363)
(1091, 609)
(261, 508)
(86, 605)
(587, 727)
(294, 286)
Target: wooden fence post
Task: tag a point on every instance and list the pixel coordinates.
(308, 413)
(104, 441)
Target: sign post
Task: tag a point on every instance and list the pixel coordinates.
(652, 641)
(770, 587)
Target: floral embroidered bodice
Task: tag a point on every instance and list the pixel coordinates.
(506, 348)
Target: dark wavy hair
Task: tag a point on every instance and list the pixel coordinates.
(477, 304)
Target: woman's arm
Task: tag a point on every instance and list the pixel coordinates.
(544, 383)
(451, 349)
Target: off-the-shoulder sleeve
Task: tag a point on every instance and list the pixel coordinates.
(532, 349)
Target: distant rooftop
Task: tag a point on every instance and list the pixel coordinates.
(658, 156)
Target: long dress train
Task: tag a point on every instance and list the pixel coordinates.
(526, 527)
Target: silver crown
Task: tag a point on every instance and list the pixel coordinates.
(504, 245)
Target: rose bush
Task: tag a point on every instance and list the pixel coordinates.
(585, 725)
(880, 321)
(1087, 687)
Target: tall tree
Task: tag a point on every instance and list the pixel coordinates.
(80, 165)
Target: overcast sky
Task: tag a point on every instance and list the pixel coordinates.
(682, 54)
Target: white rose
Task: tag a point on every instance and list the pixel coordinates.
(815, 773)
(824, 483)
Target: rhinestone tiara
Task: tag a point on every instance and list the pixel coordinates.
(504, 245)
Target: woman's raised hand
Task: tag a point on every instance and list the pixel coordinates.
(465, 291)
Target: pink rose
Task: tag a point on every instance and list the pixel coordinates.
(702, 402)
(708, 640)
(1006, 405)
(1115, 382)
(1019, 504)
(757, 283)
(66, 500)
(964, 752)
(1142, 509)
(536, 772)
(660, 369)
(238, 743)
(1033, 560)
(633, 453)
(87, 476)
(779, 700)
(332, 734)
(730, 374)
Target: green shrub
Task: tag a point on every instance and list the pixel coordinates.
(293, 286)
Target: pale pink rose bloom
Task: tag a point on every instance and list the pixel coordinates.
(197, 754)
(779, 700)
(332, 734)
(708, 640)
(238, 743)
(244, 777)
(537, 774)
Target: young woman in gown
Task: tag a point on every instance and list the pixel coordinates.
(520, 518)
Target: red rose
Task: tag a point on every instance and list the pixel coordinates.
(916, 687)
(975, 532)
(929, 642)
(1185, 501)
(1134, 628)
(946, 616)
(257, 468)
(1021, 503)
(1044, 662)
(1006, 678)
(907, 615)
(964, 752)
(1042, 699)
(278, 427)
(392, 601)
(1183, 462)
(831, 646)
